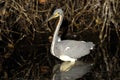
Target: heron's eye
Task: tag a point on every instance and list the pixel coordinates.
(58, 13)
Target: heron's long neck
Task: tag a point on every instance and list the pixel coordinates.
(55, 36)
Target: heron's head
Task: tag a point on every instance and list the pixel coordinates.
(57, 13)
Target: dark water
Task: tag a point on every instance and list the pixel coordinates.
(25, 39)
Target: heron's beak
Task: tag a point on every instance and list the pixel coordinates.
(52, 17)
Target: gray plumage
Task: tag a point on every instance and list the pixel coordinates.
(67, 50)
(72, 48)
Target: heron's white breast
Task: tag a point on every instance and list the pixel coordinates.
(67, 58)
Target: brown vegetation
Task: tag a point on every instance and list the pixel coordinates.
(25, 39)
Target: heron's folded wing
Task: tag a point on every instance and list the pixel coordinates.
(74, 49)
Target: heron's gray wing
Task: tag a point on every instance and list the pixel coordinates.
(74, 49)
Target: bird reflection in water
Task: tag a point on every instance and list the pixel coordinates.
(68, 50)
(70, 71)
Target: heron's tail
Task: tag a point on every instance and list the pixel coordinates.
(90, 45)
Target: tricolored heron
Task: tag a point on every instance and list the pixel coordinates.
(67, 50)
